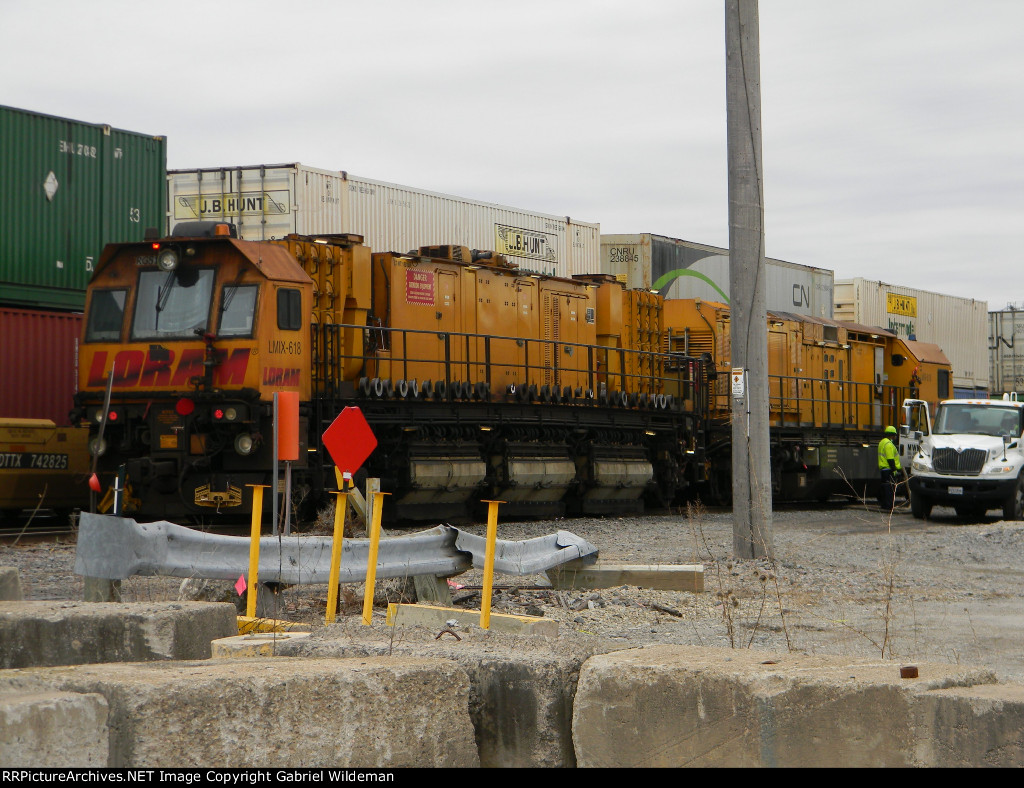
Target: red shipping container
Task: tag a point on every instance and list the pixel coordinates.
(38, 363)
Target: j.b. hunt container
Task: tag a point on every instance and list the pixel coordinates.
(271, 201)
(69, 188)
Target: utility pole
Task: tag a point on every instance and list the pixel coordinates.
(751, 472)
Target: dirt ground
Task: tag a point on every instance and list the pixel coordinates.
(848, 580)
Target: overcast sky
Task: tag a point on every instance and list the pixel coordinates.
(892, 129)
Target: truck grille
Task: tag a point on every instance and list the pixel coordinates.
(968, 461)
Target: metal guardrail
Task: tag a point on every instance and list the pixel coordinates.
(116, 548)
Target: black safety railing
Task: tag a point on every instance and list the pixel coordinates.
(417, 362)
(799, 401)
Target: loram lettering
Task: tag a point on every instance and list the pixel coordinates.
(280, 346)
(274, 376)
(135, 368)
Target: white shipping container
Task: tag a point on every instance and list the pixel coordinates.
(957, 325)
(1006, 351)
(271, 201)
(683, 269)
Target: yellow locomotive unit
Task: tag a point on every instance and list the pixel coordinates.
(833, 387)
(479, 380)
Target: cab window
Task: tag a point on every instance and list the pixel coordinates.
(289, 309)
(174, 305)
(237, 307)
(106, 316)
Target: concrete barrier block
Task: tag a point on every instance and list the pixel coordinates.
(10, 585)
(437, 617)
(973, 726)
(258, 712)
(254, 644)
(39, 634)
(690, 706)
(521, 687)
(662, 577)
(53, 729)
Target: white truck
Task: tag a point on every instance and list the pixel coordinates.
(970, 457)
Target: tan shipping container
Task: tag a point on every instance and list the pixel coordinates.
(957, 325)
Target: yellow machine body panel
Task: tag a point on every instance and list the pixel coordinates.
(821, 373)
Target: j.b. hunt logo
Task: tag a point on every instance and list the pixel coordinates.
(196, 206)
(517, 242)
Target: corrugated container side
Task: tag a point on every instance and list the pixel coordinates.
(401, 218)
(260, 200)
(70, 188)
(270, 201)
(683, 269)
(584, 240)
(1006, 352)
(958, 325)
(38, 363)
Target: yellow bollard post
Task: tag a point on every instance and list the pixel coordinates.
(340, 510)
(254, 548)
(371, 561)
(492, 535)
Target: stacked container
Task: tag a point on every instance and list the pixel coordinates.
(270, 201)
(69, 188)
(957, 325)
(683, 269)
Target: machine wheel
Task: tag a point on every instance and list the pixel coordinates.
(1013, 507)
(920, 506)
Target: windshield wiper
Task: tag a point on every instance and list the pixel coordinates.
(162, 294)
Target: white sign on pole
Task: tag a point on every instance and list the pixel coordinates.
(737, 383)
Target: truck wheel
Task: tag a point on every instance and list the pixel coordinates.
(920, 506)
(1013, 507)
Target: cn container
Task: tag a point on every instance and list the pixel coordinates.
(69, 188)
(683, 269)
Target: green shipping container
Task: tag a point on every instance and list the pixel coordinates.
(67, 189)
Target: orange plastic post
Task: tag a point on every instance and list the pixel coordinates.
(288, 425)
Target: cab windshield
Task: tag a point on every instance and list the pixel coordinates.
(173, 305)
(978, 420)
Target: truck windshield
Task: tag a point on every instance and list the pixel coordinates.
(172, 305)
(978, 420)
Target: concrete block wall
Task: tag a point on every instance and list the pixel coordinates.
(671, 706)
(364, 697)
(35, 634)
(250, 712)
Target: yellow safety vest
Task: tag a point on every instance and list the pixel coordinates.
(887, 451)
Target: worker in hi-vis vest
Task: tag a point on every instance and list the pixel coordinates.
(889, 467)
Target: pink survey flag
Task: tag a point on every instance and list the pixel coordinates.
(240, 585)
